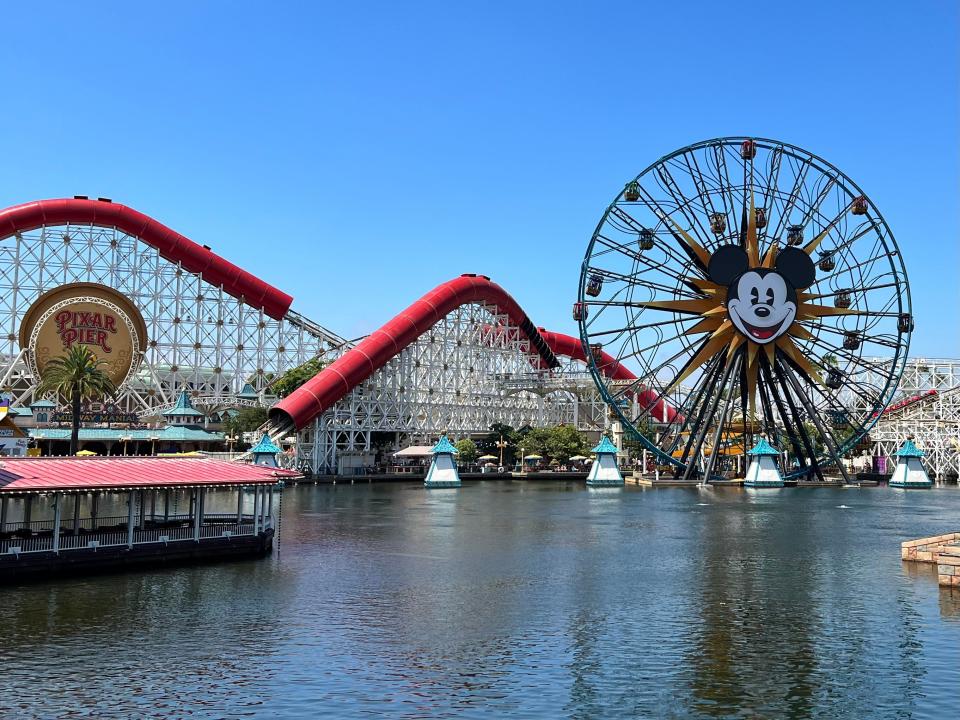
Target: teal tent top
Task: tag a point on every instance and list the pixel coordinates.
(909, 450)
(43, 403)
(265, 446)
(182, 407)
(764, 448)
(248, 393)
(605, 447)
(444, 446)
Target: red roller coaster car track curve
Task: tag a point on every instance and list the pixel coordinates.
(171, 244)
(357, 364)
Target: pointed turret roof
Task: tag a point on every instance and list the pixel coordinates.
(182, 407)
(605, 446)
(909, 450)
(444, 446)
(248, 393)
(265, 446)
(764, 448)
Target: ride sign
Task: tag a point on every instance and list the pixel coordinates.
(87, 314)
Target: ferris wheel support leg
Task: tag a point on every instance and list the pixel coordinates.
(827, 438)
(725, 413)
(705, 422)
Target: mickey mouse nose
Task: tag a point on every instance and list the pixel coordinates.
(762, 311)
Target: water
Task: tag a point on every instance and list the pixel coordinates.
(515, 600)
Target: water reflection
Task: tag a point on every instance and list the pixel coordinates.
(515, 600)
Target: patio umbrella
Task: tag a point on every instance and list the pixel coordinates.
(487, 457)
(579, 457)
(85, 453)
(533, 457)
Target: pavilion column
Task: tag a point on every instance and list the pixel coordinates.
(76, 513)
(240, 505)
(166, 506)
(131, 508)
(57, 505)
(256, 509)
(94, 508)
(153, 504)
(197, 511)
(270, 492)
(27, 510)
(3, 514)
(143, 509)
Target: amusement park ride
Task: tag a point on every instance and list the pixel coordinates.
(736, 288)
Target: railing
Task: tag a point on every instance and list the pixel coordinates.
(177, 530)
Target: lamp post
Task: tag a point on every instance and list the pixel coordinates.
(501, 445)
(523, 461)
(231, 439)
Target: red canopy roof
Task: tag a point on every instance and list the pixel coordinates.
(104, 473)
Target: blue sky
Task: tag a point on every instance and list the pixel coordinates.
(357, 154)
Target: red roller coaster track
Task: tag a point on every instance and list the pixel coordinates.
(171, 244)
(357, 364)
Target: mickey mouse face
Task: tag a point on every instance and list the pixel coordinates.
(761, 302)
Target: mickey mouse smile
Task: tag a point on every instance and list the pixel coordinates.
(761, 334)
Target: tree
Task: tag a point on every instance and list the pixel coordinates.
(247, 419)
(75, 377)
(557, 443)
(467, 449)
(565, 441)
(292, 379)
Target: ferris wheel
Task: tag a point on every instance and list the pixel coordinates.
(738, 288)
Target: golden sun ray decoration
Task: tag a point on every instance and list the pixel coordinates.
(725, 334)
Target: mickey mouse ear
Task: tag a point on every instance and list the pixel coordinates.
(727, 263)
(796, 266)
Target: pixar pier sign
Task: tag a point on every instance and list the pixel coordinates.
(87, 314)
(77, 327)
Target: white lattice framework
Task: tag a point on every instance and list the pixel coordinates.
(200, 338)
(471, 370)
(932, 419)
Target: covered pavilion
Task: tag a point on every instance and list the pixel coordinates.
(71, 513)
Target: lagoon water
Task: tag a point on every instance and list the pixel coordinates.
(516, 600)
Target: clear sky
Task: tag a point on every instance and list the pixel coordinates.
(357, 154)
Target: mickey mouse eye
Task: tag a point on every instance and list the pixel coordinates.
(754, 295)
(769, 296)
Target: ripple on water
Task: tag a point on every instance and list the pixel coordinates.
(513, 600)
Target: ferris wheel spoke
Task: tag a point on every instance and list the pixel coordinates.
(693, 219)
(644, 326)
(692, 407)
(773, 388)
(639, 257)
(642, 281)
(699, 181)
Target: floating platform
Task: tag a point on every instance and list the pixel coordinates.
(46, 565)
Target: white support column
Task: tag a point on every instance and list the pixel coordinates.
(57, 505)
(197, 511)
(256, 509)
(240, 505)
(131, 507)
(270, 492)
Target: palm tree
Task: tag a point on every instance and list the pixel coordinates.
(75, 377)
